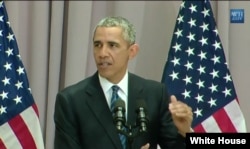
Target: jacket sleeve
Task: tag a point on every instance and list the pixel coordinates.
(169, 138)
(65, 131)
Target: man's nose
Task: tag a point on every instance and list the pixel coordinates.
(104, 51)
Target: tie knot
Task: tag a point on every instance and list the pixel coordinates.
(115, 88)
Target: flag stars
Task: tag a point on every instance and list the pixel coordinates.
(196, 69)
(187, 80)
(213, 88)
(201, 69)
(7, 66)
(198, 112)
(186, 94)
(176, 61)
(8, 22)
(178, 33)
(18, 99)
(19, 56)
(10, 37)
(212, 102)
(202, 55)
(6, 81)
(4, 95)
(192, 23)
(9, 52)
(3, 110)
(189, 65)
(193, 8)
(216, 32)
(1, 4)
(226, 64)
(204, 27)
(200, 84)
(199, 98)
(227, 92)
(203, 41)
(177, 47)
(191, 37)
(1, 18)
(20, 70)
(182, 5)
(180, 19)
(216, 59)
(205, 12)
(217, 45)
(19, 85)
(174, 76)
(227, 77)
(190, 51)
(215, 74)
(29, 89)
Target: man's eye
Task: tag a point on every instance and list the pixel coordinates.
(113, 45)
(97, 45)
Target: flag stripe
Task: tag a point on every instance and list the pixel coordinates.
(224, 121)
(9, 138)
(199, 128)
(210, 125)
(30, 118)
(22, 132)
(236, 116)
(2, 146)
(36, 110)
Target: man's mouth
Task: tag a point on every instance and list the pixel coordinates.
(104, 64)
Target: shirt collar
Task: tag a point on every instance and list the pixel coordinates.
(123, 84)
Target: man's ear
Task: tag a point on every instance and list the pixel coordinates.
(133, 50)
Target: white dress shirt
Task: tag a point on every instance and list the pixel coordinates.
(122, 92)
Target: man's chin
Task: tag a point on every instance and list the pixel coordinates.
(104, 74)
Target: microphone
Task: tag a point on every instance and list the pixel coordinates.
(142, 119)
(119, 114)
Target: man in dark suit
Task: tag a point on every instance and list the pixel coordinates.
(83, 117)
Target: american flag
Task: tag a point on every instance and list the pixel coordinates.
(19, 122)
(196, 71)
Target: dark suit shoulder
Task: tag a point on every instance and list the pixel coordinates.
(79, 85)
(144, 81)
(89, 83)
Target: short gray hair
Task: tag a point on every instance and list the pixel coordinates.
(129, 32)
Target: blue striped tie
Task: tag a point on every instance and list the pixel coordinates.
(115, 97)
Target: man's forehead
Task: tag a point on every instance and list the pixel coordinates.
(108, 34)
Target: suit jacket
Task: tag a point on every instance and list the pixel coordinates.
(83, 119)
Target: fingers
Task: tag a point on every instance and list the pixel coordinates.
(173, 102)
(146, 146)
(180, 109)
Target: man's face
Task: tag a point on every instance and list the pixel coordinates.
(111, 53)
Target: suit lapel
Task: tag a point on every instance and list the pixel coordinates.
(99, 107)
(135, 91)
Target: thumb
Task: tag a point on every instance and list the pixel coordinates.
(173, 99)
(146, 146)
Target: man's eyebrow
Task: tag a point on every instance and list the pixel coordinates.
(112, 42)
(96, 41)
(109, 42)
